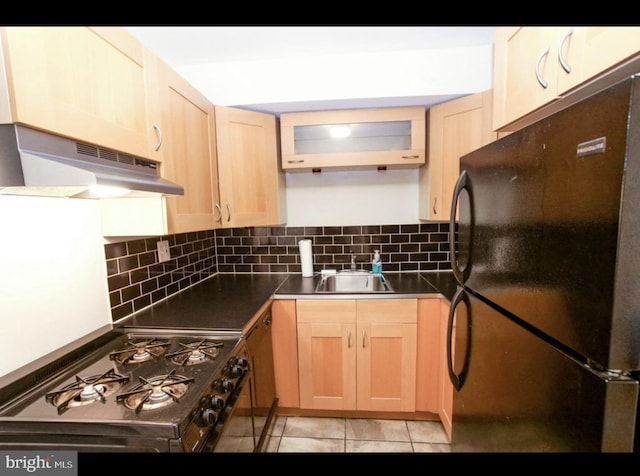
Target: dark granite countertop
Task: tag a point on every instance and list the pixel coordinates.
(224, 302)
(227, 302)
(443, 281)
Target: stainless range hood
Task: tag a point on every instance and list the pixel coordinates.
(33, 162)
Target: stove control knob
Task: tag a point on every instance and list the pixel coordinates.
(216, 402)
(235, 371)
(242, 362)
(210, 410)
(224, 385)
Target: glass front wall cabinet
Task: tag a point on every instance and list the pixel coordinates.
(353, 139)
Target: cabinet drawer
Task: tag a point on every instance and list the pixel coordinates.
(387, 310)
(328, 310)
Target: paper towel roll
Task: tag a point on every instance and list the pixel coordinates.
(306, 259)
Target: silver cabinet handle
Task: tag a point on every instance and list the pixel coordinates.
(159, 136)
(219, 219)
(410, 156)
(363, 338)
(349, 339)
(295, 161)
(228, 212)
(542, 82)
(563, 63)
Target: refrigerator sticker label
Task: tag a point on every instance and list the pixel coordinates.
(595, 146)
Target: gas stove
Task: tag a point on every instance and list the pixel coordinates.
(164, 391)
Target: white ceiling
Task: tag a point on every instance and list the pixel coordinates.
(182, 47)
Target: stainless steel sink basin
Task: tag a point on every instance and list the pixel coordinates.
(354, 282)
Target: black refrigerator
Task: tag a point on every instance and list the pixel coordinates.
(543, 336)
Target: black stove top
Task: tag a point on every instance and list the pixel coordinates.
(137, 385)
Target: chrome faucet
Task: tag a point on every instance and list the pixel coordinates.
(353, 262)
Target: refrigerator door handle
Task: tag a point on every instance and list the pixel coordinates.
(463, 183)
(457, 380)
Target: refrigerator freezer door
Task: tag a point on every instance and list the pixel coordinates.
(545, 223)
(520, 394)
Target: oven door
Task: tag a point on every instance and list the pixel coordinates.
(235, 431)
(245, 427)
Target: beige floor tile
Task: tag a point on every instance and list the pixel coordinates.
(277, 426)
(314, 427)
(239, 426)
(358, 435)
(311, 445)
(272, 444)
(380, 430)
(235, 444)
(427, 432)
(361, 446)
(431, 448)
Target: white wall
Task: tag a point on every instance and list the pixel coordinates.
(53, 277)
(352, 198)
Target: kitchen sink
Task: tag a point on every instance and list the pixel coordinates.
(354, 282)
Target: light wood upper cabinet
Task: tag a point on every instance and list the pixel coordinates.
(251, 183)
(371, 138)
(535, 66)
(357, 354)
(455, 128)
(83, 83)
(184, 141)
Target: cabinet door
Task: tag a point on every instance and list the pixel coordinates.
(534, 66)
(588, 51)
(327, 366)
(386, 367)
(327, 353)
(84, 83)
(372, 138)
(525, 71)
(251, 184)
(455, 128)
(386, 341)
(187, 148)
(285, 352)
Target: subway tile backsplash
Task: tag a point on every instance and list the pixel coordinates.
(136, 279)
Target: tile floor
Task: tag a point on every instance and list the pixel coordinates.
(289, 434)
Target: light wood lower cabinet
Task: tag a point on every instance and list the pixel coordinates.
(357, 354)
(445, 408)
(428, 355)
(285, 352)
(434, 391)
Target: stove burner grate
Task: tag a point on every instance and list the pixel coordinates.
(86, 390)
(193, 353)
(155, 392)
(140, 351)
